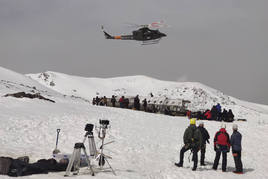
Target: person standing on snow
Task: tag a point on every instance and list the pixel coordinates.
(221, 146)
(205, 137)
(137, 103)
(192, 139)
(121, 102)
(144, 104)
(113, 100)
(236, 139)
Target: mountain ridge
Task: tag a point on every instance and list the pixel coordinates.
(201, 96)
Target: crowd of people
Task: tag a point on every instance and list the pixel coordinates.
(100, 101)
(216, 113)
(123, 102)
(195, 139)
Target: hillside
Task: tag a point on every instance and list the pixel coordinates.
(146, 145)
(201, 96)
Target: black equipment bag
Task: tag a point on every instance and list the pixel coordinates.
(5, 163)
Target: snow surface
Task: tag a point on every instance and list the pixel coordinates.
(146, 145)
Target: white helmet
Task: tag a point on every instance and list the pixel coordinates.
(235, 126)
(201, 123)
(223, 125)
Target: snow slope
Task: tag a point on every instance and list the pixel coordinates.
(201, 96)
(146, 145)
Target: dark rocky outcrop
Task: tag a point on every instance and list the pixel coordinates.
(28, 95)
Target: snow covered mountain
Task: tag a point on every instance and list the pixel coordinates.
(146, 145)
(201, 96)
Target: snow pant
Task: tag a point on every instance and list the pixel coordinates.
(217, 158)
(237, 160)
(194, 150)
(203, 151)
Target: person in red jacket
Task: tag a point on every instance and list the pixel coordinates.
(188, 114)
(121, 102)
(221, 146)
(208, 115)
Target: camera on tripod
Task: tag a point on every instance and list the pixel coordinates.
(89, 128)
(75, 161)
(104, 123)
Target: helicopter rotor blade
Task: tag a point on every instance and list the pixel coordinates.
(132, 25)
(159, 24)
(154, 25)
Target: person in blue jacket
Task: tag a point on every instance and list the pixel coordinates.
(218, 107)
(236, 139)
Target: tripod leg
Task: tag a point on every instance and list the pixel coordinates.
(70, 165)
(110, 165)
(88, 162)
(92, 146)
(77, 161)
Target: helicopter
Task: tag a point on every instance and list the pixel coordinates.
(145, 34)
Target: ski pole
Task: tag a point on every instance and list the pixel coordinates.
(58, 131)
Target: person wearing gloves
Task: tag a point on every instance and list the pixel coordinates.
(221, 146)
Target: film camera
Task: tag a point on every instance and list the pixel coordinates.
(89, 128)
(104, 123)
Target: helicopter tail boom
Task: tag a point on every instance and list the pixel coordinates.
(118, 37)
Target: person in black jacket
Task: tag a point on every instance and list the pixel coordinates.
(224, 116)
(205, 139)
(236, 139)
(144, 105)
(126, 102)
(113, 100)
(137, 103)
(230, 116)
(214, 113)
(192, 139)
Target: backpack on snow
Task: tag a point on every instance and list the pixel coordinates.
(5, 163)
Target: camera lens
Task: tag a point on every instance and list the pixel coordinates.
(89, 127)
(104, 122)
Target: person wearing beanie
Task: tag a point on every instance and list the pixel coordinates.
(221, 146)
(236, 139)
(205, 139)
(192, 139)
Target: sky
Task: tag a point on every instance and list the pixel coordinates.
(222, 44)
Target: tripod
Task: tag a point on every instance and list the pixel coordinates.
(101, 156)
(75, 160)
(91, 143)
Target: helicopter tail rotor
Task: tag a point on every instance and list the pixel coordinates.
(107, 36)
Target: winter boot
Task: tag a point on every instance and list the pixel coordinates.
(179, 164)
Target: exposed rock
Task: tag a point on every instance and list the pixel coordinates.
(28, 95)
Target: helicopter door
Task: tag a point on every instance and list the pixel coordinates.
(137, 35)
